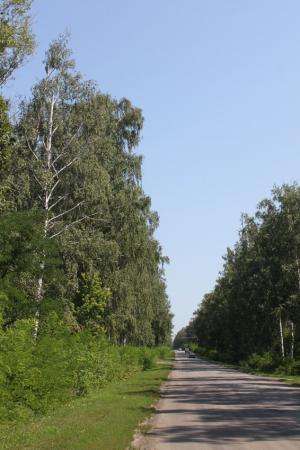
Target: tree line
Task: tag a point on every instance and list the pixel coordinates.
(82, 287)
(254, 308)
(77, 232)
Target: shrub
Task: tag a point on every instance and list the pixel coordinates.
(266, 362)
(36, 376)
(289, 366)
(207, 353)
(296, 367)
(147, 358)
(193, 346)
(16, 370)
(212, 354)
(164, 352)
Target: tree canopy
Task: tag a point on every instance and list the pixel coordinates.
(77, 229)
(16, 37)
(254, 307)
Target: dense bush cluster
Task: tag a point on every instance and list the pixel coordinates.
(37, 376)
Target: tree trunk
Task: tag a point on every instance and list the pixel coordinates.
(39, 297)
(47, 196)
(293, 339)
(281, 336)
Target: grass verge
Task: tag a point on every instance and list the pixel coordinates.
(293, 380)
(104, 420)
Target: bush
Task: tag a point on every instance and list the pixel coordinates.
(209, 353)
(289, 366)
(296, 367)
(213, 354)
(36, 376)
(266, 362)
(147, 358)
(164, 352)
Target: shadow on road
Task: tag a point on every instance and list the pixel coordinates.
(219, 405)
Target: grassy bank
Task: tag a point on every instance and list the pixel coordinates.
(294, 380)
(105, 419)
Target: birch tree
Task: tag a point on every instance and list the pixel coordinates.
(52, 145)
(16, 37)
(288, 197)
(75, 170)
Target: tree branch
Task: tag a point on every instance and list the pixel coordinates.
(57, 201)
(37, 180)
(52, 190)
(52, 219)
(30, 148)
(67, 145)
(70, 225)
(57, 172)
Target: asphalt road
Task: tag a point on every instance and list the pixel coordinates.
(207, 406)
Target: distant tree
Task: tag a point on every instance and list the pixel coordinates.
(255, 306)
(185, 337)
(16, 38)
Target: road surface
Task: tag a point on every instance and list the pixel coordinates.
(207, 406)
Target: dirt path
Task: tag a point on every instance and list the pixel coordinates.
(206, 406)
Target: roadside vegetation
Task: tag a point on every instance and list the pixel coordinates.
(264, 365)
(39, 376)
(83, 300)
(252, 317)
(104, 419)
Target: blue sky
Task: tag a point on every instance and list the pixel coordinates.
(218, 83)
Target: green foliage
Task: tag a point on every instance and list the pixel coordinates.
(100, 258)
(36, 376)
(93, 303)
(16, 38)
(22, 244)
(254, 308)
(270, 362)
(193, 346)
(209, 353)
(289, 366)
(82, 288)
(5, 156)
(164, 352)
(147, 359)
(107, 418)
(295, 367)
(266, 362)
(104, 270)
(184, 338)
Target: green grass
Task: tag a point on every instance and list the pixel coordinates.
(294, 380)
(104, 420)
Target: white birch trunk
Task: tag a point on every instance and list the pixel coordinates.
(293, 339)
(47, 196)
(39, 297)
(281, 336)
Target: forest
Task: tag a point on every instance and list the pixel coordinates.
(82, 285)
(252, 316)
